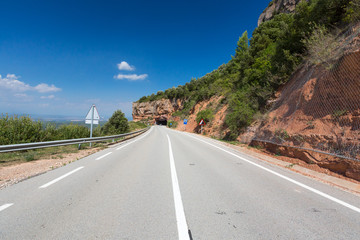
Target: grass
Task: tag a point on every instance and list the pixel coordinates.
(338, 113)
(290, 165)
(10, 158)
(229, 141)
(282, 134)
(310, 124)
(133, 126)
(29, 157)
(258, 147)
(278, 154)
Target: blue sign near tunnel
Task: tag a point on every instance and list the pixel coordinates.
(185, 121)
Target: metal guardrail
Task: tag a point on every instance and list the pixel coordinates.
(28, 146)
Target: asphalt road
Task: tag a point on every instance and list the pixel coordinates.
(166, 184)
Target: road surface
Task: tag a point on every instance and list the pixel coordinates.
(166, 184)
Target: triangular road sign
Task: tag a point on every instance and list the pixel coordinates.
(202, 122)
(92, 114)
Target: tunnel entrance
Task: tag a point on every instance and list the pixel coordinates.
(161, 120)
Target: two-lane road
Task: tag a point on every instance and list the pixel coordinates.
(164, 183)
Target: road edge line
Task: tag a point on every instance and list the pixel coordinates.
(345, 204)
(126, 144)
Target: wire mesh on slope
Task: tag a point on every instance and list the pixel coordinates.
(319, 108)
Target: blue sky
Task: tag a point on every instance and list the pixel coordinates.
(59, 57)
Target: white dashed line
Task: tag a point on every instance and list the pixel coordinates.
(59, 178)
(5, 206)
(103, 156)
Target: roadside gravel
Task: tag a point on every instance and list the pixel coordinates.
(10, 175)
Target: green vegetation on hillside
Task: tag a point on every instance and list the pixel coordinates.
(267, 60)
(172, 124)
(207, 115)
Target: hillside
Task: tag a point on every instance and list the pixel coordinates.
(293, 84)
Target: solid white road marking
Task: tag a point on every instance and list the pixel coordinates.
(134, 140)
(179, 208)
(103, 156)
(59, 178)
(345, 204)
(5, 206)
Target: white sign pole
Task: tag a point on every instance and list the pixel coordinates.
(92, 121)
(92, 117)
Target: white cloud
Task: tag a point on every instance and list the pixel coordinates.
(11, 82)
(125, 66)
(20, 95)
(43, 88)
(131, 77)
(48, 97)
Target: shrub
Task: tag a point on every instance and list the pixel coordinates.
(206, 114)
(322, 47)
(353, 11)
(117, 124)
(72, 131)
(22, 129)
(172, 124)
(282, 134)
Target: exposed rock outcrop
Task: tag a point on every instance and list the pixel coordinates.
(215, 127)
(277, 6)
(150, 111)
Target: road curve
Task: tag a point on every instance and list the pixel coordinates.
(167, 184)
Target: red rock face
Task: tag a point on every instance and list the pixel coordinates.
(320, 109)
(149, 111)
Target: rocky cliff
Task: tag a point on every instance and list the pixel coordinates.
(277, 6)
(150, 111)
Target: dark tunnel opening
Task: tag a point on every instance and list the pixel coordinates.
(161, 121)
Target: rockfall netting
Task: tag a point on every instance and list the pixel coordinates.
(319, 109)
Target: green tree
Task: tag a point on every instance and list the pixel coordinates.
(240, 113)
(242, 46)
(353, 11)
(117, 124)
